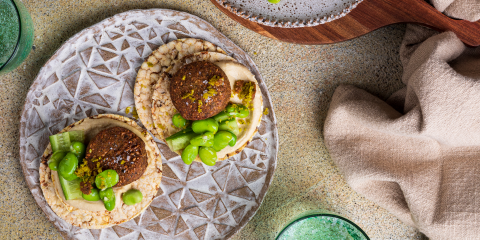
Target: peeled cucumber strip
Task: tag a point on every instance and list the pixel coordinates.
(230, 125)
(62, 141)
(180, 140)
(71, 189)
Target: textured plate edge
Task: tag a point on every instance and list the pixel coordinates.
(255, 70)
(283, 23)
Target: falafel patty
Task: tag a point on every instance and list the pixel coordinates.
(114, 148)
(200, 90)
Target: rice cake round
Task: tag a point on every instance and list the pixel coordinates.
(162, 105)
(158, 64)
(163, 109)
(93, 215)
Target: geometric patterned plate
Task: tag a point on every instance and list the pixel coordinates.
(94, 72)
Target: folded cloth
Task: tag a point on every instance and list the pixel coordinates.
(418, 154)
(463, 9)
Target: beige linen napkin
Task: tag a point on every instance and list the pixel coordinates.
(418, 154)
(463, 9)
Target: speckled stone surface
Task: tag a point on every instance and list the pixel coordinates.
(301, 81)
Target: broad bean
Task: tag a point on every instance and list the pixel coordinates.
(108, 198)
(132, 197)
(221, 140)
(93, 196)
(202, 140)
(55, 159)
(67, 167)
(189, 154)
(106, 179)
(208, 155)
(179, 121)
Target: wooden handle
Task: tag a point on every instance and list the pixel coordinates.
(368, 16)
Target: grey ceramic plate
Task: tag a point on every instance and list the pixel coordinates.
(290, 13)
(94, 72)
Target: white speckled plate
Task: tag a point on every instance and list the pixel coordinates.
(290, 13)
(94, 72)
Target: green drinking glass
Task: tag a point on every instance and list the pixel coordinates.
(321, 225)
(16, 34)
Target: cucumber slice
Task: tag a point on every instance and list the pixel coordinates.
(71, 189)
(77, 136)
(183, 141)
(60, 142)
(180, 140)
(230, 125)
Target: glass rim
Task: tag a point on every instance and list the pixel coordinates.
(321, 214)
(19, 35)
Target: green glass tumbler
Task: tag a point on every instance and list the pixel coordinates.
(16, 34)
(321, 225)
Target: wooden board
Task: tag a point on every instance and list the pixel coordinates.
(368, 16)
